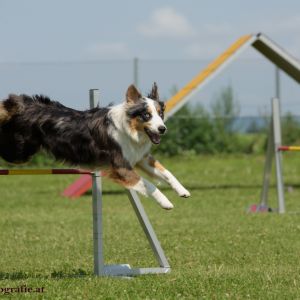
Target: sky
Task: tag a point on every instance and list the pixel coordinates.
(63, 48)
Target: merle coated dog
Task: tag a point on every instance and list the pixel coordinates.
(116, 138)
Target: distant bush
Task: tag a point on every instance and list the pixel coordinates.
(197, 130)
(290, 130)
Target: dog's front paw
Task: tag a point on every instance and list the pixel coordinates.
(161, 199)
(165, 203)
(184, 193)
(167, 206)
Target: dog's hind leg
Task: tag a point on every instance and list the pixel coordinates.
(131, 180)
(154, 168)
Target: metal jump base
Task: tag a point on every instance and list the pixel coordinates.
(100, 269)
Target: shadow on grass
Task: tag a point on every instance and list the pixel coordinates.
(198, 187)
(224, 186)
(204, 187)
(55, 274)
(234, 186)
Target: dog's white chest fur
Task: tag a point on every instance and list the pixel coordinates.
(133, 152)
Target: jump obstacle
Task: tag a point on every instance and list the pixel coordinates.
(260, 42)
(274, 149)
(100, 269)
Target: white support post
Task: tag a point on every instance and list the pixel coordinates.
(274, 142)
(97, 225)
(136, 71)
(268, 168)
(94, 98)
(149, 231)
(278, 158)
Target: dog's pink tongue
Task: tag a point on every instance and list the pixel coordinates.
(156, 138)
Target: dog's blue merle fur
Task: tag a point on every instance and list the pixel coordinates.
(76, 137)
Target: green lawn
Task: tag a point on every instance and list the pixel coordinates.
(215, 249)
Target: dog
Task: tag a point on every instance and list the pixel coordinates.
(115, 138)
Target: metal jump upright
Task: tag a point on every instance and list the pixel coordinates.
(274, 150)
(100, 269)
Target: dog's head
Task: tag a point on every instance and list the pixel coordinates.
(146, 114)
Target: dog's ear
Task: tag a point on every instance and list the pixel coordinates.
(133, 95)
(154, 92)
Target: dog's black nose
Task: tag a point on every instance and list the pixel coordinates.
(162, 129)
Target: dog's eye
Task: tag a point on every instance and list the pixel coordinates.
(146, 116)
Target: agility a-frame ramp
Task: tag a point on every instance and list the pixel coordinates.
(277, 55)
(285, 62)
(260, 42)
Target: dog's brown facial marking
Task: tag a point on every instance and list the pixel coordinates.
(138, 125)
(139, 116)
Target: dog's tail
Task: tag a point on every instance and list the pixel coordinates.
(11, 106)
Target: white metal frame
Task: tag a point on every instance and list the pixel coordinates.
(274, 142)
(100, 269)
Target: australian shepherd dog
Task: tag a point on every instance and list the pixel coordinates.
(116, 138)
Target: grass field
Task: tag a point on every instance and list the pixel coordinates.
(215, 249)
